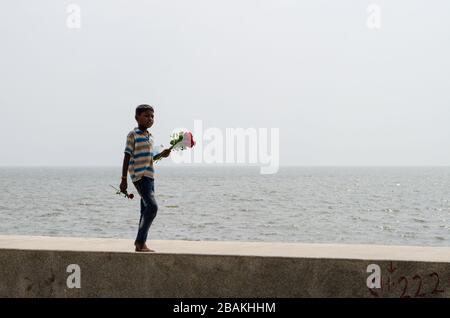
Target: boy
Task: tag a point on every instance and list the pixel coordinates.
(138, 161)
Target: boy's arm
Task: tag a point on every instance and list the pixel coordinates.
(164, 154)
(126, 162)
(129, 149)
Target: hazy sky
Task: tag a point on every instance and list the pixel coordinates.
(341, 93)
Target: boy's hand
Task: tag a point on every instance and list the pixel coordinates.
(123, 186)
(166, 153)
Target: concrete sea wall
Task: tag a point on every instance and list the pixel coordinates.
(92, 267)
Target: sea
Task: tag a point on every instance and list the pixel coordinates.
(345, 205)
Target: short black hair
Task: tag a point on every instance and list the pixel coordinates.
(142, 108)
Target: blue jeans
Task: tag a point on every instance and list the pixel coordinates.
(149, 208)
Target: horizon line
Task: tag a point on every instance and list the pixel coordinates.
(234, 166)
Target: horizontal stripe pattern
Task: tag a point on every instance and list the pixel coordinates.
(139, 146)
(137, 170)
(142, 154)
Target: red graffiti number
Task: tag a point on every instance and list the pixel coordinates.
(419, 288)
(405, 287)
(436, 289)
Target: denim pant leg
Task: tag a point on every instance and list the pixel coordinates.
(149, 207)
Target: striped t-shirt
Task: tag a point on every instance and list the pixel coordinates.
(140, 146)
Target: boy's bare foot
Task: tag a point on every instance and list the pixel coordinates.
(142, 248)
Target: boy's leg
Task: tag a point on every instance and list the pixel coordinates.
(149, 208)
(141, 214)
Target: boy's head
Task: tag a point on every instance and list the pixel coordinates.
(144, 115)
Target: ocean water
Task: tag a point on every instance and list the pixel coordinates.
(406, 206)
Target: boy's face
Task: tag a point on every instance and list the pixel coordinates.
(145, 119)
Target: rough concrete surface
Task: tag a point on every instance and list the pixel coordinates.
(38, 267)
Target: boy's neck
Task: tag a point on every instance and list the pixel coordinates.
(142, 128)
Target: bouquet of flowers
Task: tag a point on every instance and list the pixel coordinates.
(182, 140)
(179, 141)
